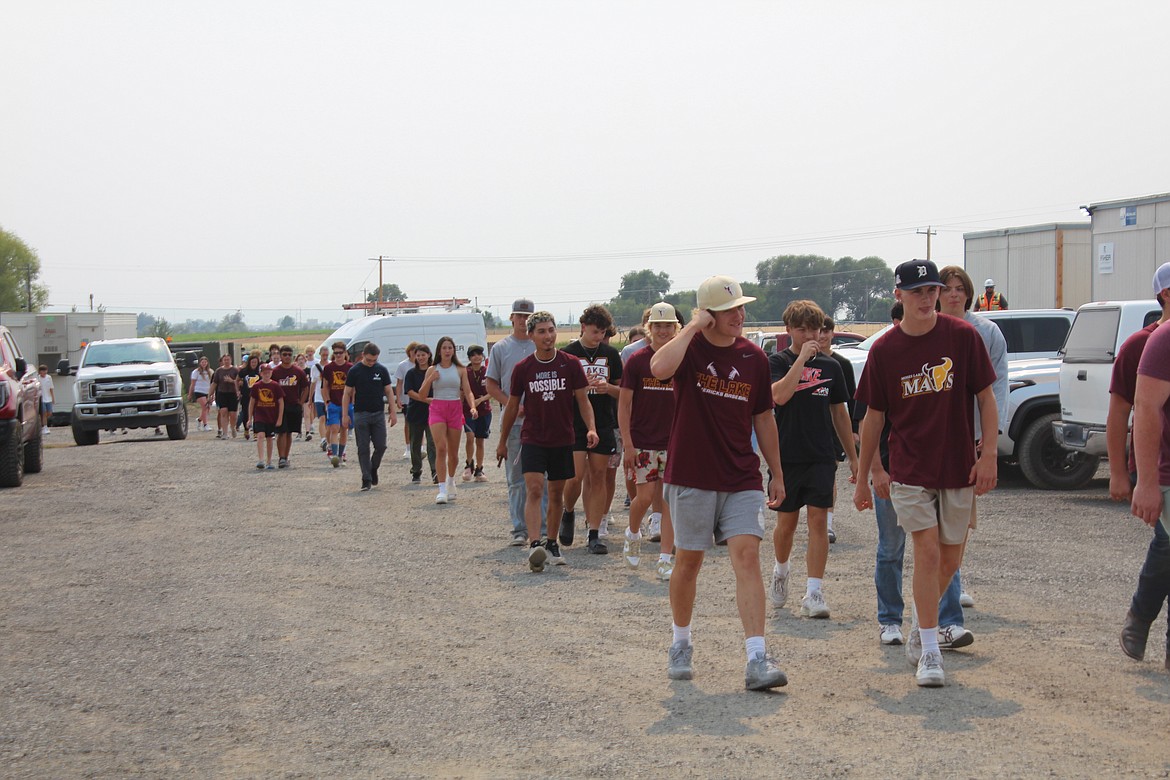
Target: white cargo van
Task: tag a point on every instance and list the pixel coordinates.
(392, 332)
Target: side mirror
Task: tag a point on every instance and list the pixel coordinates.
(21, 366)
(187, 359)
(63, 368)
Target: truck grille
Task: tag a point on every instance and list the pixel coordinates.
(128, 389)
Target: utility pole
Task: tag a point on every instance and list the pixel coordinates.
(380, 259)
(28, 287)
(928, 233)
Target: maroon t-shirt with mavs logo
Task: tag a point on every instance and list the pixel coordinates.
(717, 392)
(546, 391)
(926, 386)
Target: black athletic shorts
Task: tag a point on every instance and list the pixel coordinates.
(606, 443)
(229, 401)
(808, 484)
(554, 462)
(266, 428)
(292, 418)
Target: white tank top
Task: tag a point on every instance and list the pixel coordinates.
(446, 385)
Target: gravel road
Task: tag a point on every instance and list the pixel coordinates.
(167, 611)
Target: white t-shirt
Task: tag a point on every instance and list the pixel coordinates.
(400, 374)
(199, 383)
(47, 388)
(315, 378)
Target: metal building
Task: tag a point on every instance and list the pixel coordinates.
(1034, 267)
(1131, 238)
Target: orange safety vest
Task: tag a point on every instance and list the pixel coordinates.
(989, 304)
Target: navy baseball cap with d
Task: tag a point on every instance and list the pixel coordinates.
(913, 274)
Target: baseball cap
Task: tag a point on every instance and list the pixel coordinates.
(913, 274)
(523, 306)
(662, 312)
(989, 283)
(1162, 278)
(720, 293)
(474, 349)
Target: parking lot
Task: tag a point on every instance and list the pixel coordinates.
(166, 610)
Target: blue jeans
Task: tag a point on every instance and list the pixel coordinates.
(1154, 580)
(887, 572)
(517, 492)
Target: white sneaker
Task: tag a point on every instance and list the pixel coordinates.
(813, 605)
(664, 569)
(954, 637)
(655, 528)
(442, 497)
(603, 529)
(468, 472)
(914, 646)
(632, 549)
(45, 430)
(891, 634)
(779, 589)
(451, 488)
(930, 671)
(965, 600)
(406, 453)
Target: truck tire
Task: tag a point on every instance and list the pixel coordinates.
(12, 461)
(178, 429)
(83, 437)
(1049, 466)
(34, 454)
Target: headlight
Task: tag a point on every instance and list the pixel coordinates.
(85, 390)
(169, 383)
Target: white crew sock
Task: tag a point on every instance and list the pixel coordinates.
(754, 646)
(665, 557)
(830, 520)
(781, 568)
(929, 639)
(682, 634)
(814, 584)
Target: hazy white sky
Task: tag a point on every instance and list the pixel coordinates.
(189, 159)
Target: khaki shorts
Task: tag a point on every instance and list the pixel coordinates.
(649, 466)
(951, 510)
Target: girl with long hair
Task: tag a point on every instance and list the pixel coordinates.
(200, 387)
(448, 378)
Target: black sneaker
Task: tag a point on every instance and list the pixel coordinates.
(554, 552)
(282, 463)
(365, 484)
(434, 478)
(568, 519)
(373, 476)
(415, 479)
(596, 546)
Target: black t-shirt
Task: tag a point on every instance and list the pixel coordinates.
(805, 425)
(248, 377)
(604, 361)
(416, 412)
(369, 386)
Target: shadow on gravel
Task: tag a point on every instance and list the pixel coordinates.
(691, 711)
(1157, 684)
(644, 583)
(788, 622)
(953, 708)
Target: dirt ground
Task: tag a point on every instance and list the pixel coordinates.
(167, 611)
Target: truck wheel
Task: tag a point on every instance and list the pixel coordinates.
(178, 430)
(12, 461)
(34, 454)
(1049, 466)
(83, 437)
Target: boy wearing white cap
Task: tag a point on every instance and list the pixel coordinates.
(722, 392)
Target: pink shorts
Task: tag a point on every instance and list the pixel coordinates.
(448, 412)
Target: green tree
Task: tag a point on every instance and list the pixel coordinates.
(232, 322)
(390, 292)
(286, 323)
(645, 287)
(859, 285)
(161, 328)
(788, 278)
(19, 269)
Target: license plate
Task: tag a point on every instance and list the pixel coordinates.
(130, 410)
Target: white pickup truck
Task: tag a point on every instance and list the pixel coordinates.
(1087, 366)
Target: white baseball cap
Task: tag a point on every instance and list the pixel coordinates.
(1162, 278)
(720, 293)
(662, 312)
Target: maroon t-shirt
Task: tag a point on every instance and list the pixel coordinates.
(926, 386)
(717, 392)
(652, 410)
(1155, 363)
(1123, 382)
(475, 380)
(293, 380)
(265, 395)
(333, 381)
(546, 390)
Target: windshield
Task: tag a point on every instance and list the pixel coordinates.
(127, 353)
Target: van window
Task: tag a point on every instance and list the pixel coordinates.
(1033, 334)
(1152, 316)
(1093, 336)
(355, 350)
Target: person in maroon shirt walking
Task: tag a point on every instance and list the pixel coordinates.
(548, 382)
(925, 376)
(295, 384)
(722, 392)
(266, 411)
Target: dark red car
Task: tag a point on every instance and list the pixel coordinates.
(21, 447)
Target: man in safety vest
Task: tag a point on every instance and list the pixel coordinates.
(990, 300)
